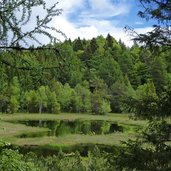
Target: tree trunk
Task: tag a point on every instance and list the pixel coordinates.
(40, 106)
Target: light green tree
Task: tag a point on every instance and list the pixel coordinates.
(12, 93)
(65, 97)
(53, 105)
(82, 99)
(32, 101)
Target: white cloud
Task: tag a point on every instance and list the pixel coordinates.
(69, 6)
(139, 23)
(95, 28)
(105, 8)
(91, 22)
(143, 30)
(73, 32)
(88, 32)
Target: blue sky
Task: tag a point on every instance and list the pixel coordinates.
(116, 12)
(90, 18)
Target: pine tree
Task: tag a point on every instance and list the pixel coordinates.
(151, 151)
(160, 11)
(78, 45)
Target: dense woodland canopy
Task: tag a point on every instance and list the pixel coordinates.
(96, 76)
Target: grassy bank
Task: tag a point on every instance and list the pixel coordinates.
(121, 118)
(18, 134)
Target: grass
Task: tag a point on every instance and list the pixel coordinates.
(120, 118)
(74, 139)
(11, 131)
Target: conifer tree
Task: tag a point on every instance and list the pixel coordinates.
(160, 11)
(150, 151)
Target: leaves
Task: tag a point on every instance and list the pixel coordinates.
(16, 15)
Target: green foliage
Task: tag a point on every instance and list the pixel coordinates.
(16, 14)
(159, 74)
(159, 11)
(82, 99)
(120, 90)
(105, 107)
(148, 153)
(31, 99)
(109, 70)
(78, 45)
(157, 133)
(65, 97)
(100, 76)
(72, 163)
(151, 151)
(13, 161)
(4, 144)
(12, 94)
(14, 105)
(164, 103)
(146, 90)
(99, 105)
(97, 160)
(93, 45)
(53, 103)
(126, 63)
(105, 127)
(145, 103)
(42, 98)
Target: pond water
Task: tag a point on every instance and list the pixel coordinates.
(63, 127)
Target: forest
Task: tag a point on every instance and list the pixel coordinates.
(95, 104)
(94, 76)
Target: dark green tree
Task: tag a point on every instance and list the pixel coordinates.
(78, 45)
(100, 104)
(160, 11)
(151, 151)
(159, 74)
(109, 41)
(93, 45)
(108, 69)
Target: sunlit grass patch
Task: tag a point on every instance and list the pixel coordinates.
(11, 129)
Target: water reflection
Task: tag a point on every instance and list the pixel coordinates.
(63, 127)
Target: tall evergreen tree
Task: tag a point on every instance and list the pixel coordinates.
(78, 45)
(159, 10)
(93, 45)
(152, 145)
